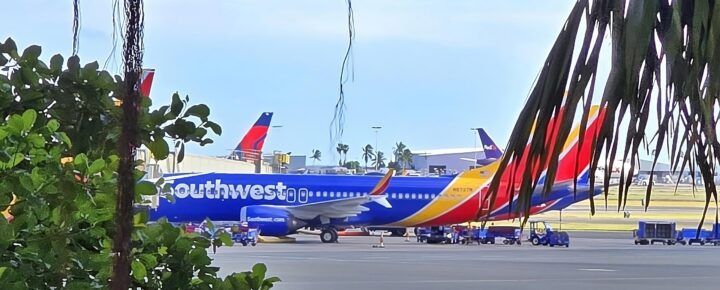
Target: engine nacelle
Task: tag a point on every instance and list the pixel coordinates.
(272, 221)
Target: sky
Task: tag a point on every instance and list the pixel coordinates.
(426, 71)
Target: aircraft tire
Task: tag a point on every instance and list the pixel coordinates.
(328, 235)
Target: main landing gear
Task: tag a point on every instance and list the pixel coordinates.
(329, 235)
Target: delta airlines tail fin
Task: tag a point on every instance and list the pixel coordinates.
(489, 147)
(250, 147)
(146, 80)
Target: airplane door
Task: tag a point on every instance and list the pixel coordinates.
(291, 195)
(303, 195)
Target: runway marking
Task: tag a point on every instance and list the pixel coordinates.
(597, 270)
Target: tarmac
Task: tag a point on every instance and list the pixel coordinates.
(594, 260)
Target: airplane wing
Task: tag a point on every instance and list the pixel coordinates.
(342, 208)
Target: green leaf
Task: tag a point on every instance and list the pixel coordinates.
(8, 46)
(201, 111)
(259, 270)
(14, 161)
(214, 127)
(73, 63)
(32, 52)
(138, 270)
(149, 260)
(145, 188)
(81, 161)
(181, 153)
(177, 105)
(64, 138)
(159, 149)
(225, 239)
(206, 141)
(56, 62)
(29, 117)
(91, 67)
(3, 60)
(96, 166)
(53, 125)
(16, 124)
(36, 140)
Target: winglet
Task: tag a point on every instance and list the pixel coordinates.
(382, 186)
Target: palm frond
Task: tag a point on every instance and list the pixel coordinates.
(664, 56)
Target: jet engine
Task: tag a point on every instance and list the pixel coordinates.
(271, 220)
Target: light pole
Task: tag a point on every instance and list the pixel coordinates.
(474, 130)
(377, 128)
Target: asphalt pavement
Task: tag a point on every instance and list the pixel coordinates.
(593, 261)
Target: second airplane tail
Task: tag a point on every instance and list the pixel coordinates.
(251, 145)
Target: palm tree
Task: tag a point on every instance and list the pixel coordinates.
(316, 155)
(379, 160)
(342, 150)
(367, 154)
(398, 150)
(664, 53)
(345, 148)
(339, 150)
(406, 158)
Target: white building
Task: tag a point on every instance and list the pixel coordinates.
(451, 160)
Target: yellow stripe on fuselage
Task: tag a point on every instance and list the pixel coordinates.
(460, 189)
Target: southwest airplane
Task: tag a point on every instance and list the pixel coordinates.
(280, 204)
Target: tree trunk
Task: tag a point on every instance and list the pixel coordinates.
(132, 56)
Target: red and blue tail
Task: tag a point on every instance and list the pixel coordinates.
(146, 81)
(250, 147)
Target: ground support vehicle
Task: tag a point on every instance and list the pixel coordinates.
(422, 234)
(510, 234)
(481, 236)
(651, 232)
(439, 234)
(245, 235)
(541, 233)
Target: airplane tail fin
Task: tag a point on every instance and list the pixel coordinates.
(489, 147)
(575, 158)
(250, 147)
(146, 81)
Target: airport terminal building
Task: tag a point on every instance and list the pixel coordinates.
(446, 161)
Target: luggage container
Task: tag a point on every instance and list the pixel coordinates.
(690, 236)
(651, 232)
(510, 234)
